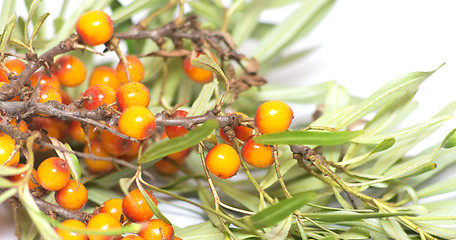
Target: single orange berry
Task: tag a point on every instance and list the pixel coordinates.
(177, 238)
(176, 131)
(137, 122)
(77, 133)
(103, 222)
(98, 166)
(94, 27)
(66, 98)
(98, 95)
(32, 183)
(132, 237)
(133, 151)
(135, 207)
(132, 94)
(135, 70)
(273, 116)
(49, 93)
(73, 224)
(241, 132)
(73, 196)
(168, 166)
(156, 229)
(223, 161)
(53, 173)
(114, 207)
(7, 146)
(114, 144)
(69, 70)
(106, 75)
(198, 75)
(44, 79)
(23, 127)
(15, 66)
(257, 155)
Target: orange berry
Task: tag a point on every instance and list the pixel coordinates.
(242, 133)
(273, 116)
(114, 144)
(98, 166)
(177, 238)
(44, 79)
(257, 155)
(135, 207)
(49, 93)
(176, 131)
(77, 133)
(106, 75)
(16, 66)
(98, 95)
(137, 122)
(168, 166)
(94, 27)
(22, 125)
(73, 224)
(73, 196)
(133, 151)
(53, 173)
(66, 99)
(132, 237)
(156, 229)
(31, 183)
(114, 207)
(103, 222)
(135, 70)
(223, 161)
(53, 127)
(132, 94)
(198, 75)
(69, 70)
(7, 145)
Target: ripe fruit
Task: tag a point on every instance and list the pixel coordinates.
(49, 93)
(66, 98)
(135, 70)
(156, 229)
(137, 122)
(94, 27)
(114, 144)
(44, 79)
(31, 183)
(103, 222)
(114, 207)
(106, 75)
(168, 166)
(7, 145)
(77, 133)
(223, 161)
(68, 235)
(132, 94)
(98, 166)
(73, 196)
(69, 70)
(98, 95)
(242, 133)
(15, 66)
(257, 155)
(135, 207)
(198, 75)
(53, 173)
(176, 131)
(273, 116)
(132, 237)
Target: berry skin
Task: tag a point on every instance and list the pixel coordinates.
(98, 95)
(257, 155)
(106, 75)
(44, 79)
(198, 75)
(31, 183)
(156, 229)
(223, 161)
(16, 66)
(66, 98)
(94, 28)
(7, 145)
(98, 166)
(114, 144)
(273, 116)
(103, 222)
(70, 71)
(49, 93)
(242, 133)
(68, 235)
(137, 122)
(132, 237)
(53, 173)
(114, 207)
(132, 94)
(135, 207)
(73, 196)
(176, 131)
(77, 133)
(135, 70)
(168, 166)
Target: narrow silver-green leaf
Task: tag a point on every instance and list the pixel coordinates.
(7, 8)
(200, 105)
(208, 11)
(125, 12)
(205, 62)
(450, 140)
(307, 138)
(341, 216)
(165, 147)
(247, 23)
(32, 10)
(281, 230)
(6, 34)
(205, 198)
(393, 229)
(38, 25)
(152, 205)
(7, 194)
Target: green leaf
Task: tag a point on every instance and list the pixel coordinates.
(307, 138)
(393, 229)
(165, 147)
(384, 145)
(245, 198)
(205, 62)
(126, 12)
(424, 169)
(32, 10)
(201, 104)
(281, 230)
(246, 24)
(75, 162)
(355, 233)
(450, 139)
(7, 33)
(341, 216)
(7, 8)
(205, 198)
(152, 205)
(7, 194)
(38, 25)
(208, 11)
(278, 212)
